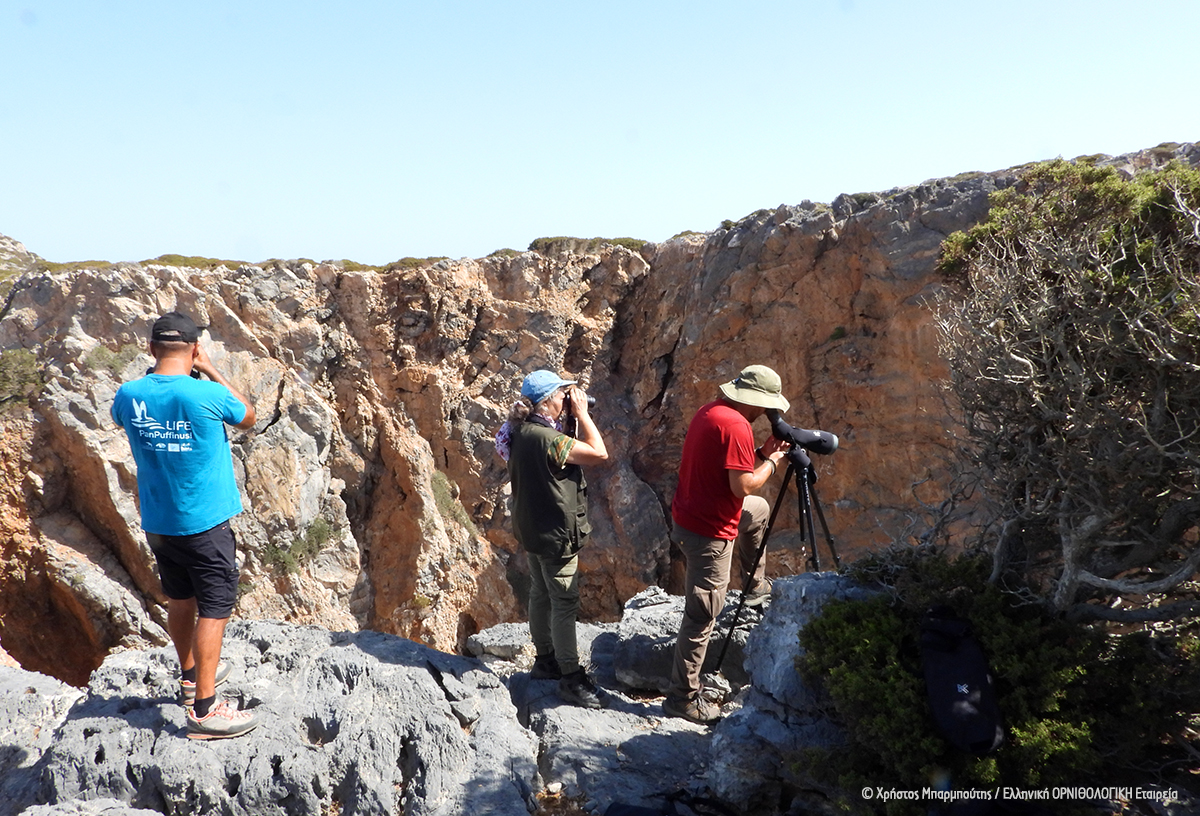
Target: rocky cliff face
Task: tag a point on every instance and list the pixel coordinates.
(374, 498)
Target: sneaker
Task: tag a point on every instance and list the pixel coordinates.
(222, 721)
(545, 667)
(187, 689)
(760, 593)
(697, 710)
(577, 689)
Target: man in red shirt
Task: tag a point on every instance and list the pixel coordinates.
(716, 513)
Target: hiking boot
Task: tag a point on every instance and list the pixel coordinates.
(545, 667)
(187, 689)
(697, 710)
(222, 721)
(577, 689)
(760, 593)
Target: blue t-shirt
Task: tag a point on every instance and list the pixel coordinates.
(176, 428)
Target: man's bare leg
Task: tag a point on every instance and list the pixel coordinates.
(207, 650)
(181, 625)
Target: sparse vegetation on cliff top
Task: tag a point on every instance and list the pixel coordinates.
(583, 245)
(193, 262)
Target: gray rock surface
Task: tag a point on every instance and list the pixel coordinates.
(756, 750)
(89, 807)
(361, 723)
(371, 723)
(32, 706)
(626, 752)
(646, 645)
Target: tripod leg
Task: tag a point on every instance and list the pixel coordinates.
(806, 523)
(837, 562)
(762, 547)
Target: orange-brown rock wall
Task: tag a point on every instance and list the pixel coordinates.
(378, 393)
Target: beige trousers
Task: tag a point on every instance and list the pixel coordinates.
(708, 562)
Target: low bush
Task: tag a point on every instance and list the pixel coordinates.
(445, 495)
(550, 246)
(192, 262)
(1079, 704)
(302, 549)
(19, 376)
(112, 361)
(407, 263)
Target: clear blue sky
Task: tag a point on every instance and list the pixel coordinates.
(378, 130)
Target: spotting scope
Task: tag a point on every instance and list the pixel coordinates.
(816, 441)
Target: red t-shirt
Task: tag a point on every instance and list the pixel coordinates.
(718, 439)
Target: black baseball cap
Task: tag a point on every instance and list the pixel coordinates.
(175, 327)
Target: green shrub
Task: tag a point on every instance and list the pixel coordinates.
(549, 246)
(445, 494)
(1079, 705)
(414, 263)
(193, 262)
(54, 266)
(113, 361)
(302, 549)
(634, 244)
(19, 376)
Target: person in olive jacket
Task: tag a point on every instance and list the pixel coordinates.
(549, 510)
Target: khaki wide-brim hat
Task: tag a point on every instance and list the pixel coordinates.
(757, 385)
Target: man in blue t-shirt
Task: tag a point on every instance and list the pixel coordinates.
(187, 493)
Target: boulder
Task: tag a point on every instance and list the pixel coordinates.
(645, 649)
(359, 722)
(32, 707)
(628, 751)
(757, 751)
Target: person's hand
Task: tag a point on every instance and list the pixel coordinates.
(202, 363)
(578, 401)
(773, 446)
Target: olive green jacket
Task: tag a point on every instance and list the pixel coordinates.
(549, 502)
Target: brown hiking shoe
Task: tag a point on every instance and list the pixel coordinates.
(760, 593)
(697, 710)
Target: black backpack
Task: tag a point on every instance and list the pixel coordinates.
(959, 684)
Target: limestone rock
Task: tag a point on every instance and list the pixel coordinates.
(14, 259)
(88, 807)
(755, 749)
(32, 707)
(352, 723)
(646, 645)
(626, 752)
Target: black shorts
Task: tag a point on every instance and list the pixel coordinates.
(201, 566)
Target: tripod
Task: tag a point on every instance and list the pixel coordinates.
(800, 466)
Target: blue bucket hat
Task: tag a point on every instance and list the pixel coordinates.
(541, 384)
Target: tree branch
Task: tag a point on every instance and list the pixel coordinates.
(1082, 613)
